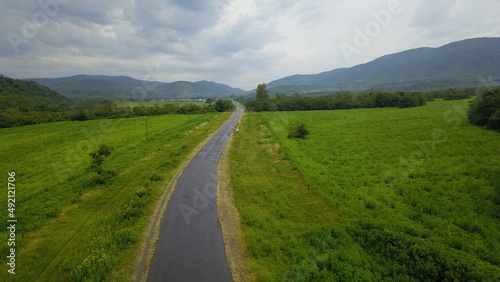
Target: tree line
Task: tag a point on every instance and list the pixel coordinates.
(341, 101)
(296, 102)
(102, 109)
(484, 108)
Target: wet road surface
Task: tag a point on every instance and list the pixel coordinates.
(190, 245)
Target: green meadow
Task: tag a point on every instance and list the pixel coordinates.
(369, 195)
(82, 218)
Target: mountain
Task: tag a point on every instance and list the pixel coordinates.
(28, 96)
(458, 64)
(185, 89)
(125, 88)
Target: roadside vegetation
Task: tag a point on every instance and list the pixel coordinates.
(85, 191)
(369, 195)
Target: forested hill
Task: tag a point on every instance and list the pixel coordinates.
(29, 96)
(455, 65)
(127, 88)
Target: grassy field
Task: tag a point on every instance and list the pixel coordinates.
(77, 223)
(370, 194)
(153, 103)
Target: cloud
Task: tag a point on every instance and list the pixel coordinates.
(239, 42)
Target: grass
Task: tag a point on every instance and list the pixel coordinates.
(73, 226)
(370, 194)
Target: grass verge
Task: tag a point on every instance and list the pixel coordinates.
(230, 220)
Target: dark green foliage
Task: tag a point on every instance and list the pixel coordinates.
(386, 99)
(98, 157)
(494, 120)
(365, 250)
(283, 102)
(103, 152)
(190, 109)
(29, 96)
(298, 130)
(80, 116)
(485, 111)
(223, 105)
(409, 100)
(26, 102)
(262, 93)
(452, 94)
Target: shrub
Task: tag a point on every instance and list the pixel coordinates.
(298, 130)
(98, 157)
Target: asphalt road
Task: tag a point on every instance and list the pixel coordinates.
(190, 246)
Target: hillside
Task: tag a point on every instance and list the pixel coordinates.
(127, 88)
(28, 96)
(454, 65)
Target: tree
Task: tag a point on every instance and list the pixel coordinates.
(209, 101)
(407, 101)
(262, 93)
(224, 105)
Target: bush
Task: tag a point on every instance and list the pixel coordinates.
(98, 157)
(298, 130)
(485, 111)
(494, 120)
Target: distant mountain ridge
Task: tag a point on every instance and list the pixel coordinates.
(455, 65)
(127, 88)
(458, 64)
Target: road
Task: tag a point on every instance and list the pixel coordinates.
(190, 246)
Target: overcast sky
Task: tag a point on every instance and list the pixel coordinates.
(237, 42)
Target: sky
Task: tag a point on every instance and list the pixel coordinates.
(241, 43)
